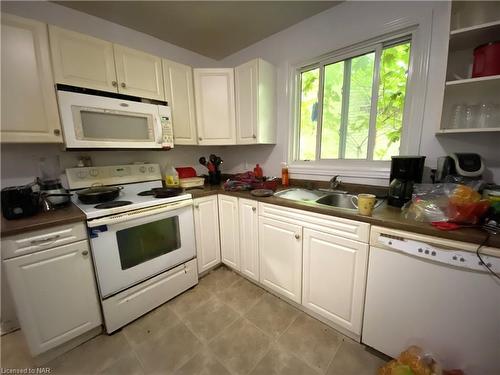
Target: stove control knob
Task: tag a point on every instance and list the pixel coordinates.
(81, 174)
(151, 169)
(142, 169)
(94, 172)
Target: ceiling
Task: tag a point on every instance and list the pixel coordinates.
(215, 29)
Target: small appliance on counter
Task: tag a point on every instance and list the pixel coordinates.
(213, 165)
(19, 202)
(459, 167)
(54, 192)
(405, 171)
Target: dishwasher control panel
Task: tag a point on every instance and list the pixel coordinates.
(458, 258)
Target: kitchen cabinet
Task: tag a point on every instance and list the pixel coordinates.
(249, 238)
(84, 61)
(55, 294)
(29, 106)
(280, 253)
(206, 225)
(255, 83)
(215, 106)
(334, 276)
(81, 60)
(178, 79)
(229, 231)
(138, 73)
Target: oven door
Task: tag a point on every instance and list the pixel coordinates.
(91, 121)
(134, 246)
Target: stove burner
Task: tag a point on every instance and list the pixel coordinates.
(112, 204)
(146, 193)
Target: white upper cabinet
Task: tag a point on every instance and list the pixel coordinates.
(178, 79)
(84, 61)
(214, 98)
(255, 83)
(280, 254)
(229, 233)
(138, 73)
(334, 277)
(206, 226)
(81, 60)
(29, 106)
(249, 238)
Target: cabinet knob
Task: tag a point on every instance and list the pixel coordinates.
(57, 132)
(85, 252)
(297, 236)
(254, 136)
(197, 206)
(254, 209)
(200, 139)
(114, 83)
(123, 84)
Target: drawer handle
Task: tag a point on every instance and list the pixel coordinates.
(123, 84)
(85, 252)
(297, 236)
(45, 240)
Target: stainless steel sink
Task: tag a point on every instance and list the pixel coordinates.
(337, 200)
(297, 194)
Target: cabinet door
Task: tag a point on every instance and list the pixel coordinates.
(334, 278)
(29, 106)
(249, 238)
(246, 87)
(214, 100)
(138, 73)
(81, 60)
(55, 294)
(206, 226)
(179, 94)
(280, 254)
(229, 233)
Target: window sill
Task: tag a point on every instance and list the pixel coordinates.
(350, 169)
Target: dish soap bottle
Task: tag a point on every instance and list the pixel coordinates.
(171, 177)
(258, 171)
(284, 174)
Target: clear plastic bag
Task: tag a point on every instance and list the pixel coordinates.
(458, 203)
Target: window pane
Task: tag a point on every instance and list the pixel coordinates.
(391, 100)
(360, 96)
(332, 110)
(309, 84)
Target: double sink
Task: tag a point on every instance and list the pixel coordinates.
(329, 198)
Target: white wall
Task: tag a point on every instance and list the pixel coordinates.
(344, 25)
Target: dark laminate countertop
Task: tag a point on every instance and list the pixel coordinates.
(42, 220)
(386, 216)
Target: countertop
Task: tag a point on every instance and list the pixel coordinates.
(385, 216)
(66, 215)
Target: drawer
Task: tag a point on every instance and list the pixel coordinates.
(30, 242)
(351, 229)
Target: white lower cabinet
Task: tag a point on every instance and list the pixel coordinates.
(229, 231)
(334, 276)
(55, 294)
(280, 252)
(206, 225)
(249, 238)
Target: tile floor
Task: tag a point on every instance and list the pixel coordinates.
(225, 325)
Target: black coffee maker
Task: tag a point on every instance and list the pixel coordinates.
(405, 171)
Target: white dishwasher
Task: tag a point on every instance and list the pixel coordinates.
(435, 293)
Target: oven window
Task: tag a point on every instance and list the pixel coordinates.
(139, 244)
(102, 126)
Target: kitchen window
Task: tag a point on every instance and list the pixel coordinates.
(352, 105)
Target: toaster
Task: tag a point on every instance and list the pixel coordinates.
(19, 202)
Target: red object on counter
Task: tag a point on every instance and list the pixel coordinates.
(486, 60)
(258, 171)
(186, 172)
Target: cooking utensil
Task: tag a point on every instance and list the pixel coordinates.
(54, 191)
(98, 194)
(203, 161)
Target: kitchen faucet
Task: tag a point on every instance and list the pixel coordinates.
(335, 182)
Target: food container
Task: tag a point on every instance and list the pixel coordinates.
(191, 182)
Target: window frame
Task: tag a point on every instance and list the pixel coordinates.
(419, 34)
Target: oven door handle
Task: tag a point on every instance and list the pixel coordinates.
(142, 212)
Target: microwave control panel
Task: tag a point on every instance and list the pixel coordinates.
(167, 132)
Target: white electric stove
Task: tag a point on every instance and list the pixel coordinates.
(143, 247)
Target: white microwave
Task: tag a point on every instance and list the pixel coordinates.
(91, 121)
